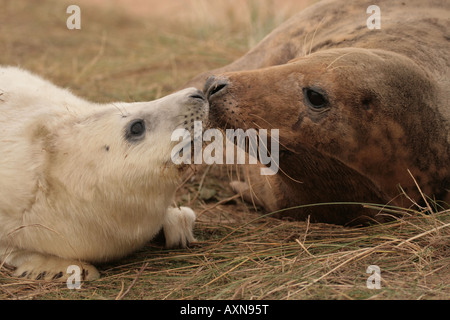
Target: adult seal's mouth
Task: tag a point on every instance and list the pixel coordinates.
(353, 125)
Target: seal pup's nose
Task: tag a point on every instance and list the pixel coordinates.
(214, 86)
(198, 95)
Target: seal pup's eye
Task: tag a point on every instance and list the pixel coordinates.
(315, 99)
(135, 130)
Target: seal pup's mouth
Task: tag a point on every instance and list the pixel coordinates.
(188, 134)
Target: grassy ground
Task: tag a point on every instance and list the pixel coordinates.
(134, 55)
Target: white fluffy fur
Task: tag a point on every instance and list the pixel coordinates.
(73, 189)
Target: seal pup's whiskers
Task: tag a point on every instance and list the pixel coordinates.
(122, 113)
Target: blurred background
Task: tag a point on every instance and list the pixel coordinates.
(133, 50)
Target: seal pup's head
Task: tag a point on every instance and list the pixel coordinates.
(121, 147)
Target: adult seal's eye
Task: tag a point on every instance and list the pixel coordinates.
(135, 130)
(315, 99)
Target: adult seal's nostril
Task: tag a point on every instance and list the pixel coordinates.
(208, 83)
(214, 86)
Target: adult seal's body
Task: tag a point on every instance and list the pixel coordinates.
(85, 183)
(360, 111)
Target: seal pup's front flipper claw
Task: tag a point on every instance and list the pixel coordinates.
(178, 226)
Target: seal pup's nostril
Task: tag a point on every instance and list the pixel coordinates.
(214, 86)
(198, 95)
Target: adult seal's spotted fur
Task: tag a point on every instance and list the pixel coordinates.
(360, 111)
(84, 183)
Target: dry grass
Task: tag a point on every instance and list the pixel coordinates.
(240, 254)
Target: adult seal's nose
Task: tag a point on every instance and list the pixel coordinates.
(214, 87)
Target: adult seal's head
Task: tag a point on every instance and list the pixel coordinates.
(355, 123)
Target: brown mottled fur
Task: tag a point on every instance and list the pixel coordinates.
(388, 112)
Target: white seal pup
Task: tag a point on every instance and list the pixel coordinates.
(84, 183)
